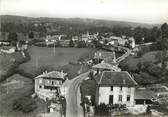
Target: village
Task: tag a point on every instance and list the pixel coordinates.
(104, 89)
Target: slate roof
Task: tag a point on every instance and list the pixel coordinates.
(144, 94)
(111, 78)
(53, 74)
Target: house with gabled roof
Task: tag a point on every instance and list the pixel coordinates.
(47, 85)
(115, 87)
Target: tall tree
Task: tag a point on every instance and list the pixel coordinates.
(138, 35)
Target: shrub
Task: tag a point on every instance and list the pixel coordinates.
(102, 109)
(25, 104)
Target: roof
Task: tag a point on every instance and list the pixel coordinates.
(102, 54)
(53, 74)
(144, 94)
(105, 66)
(120, 78)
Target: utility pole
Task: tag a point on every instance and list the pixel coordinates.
(7, 85)
(54, 49)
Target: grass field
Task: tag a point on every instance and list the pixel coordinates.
(132, 61)
(48, 58)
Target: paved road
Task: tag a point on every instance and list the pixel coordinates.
(126, 54)
(73, 96)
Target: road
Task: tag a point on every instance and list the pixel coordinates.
(73, 97)
(126, 54)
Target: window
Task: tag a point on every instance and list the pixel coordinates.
(128, 98)
(111, 99)
(120, 98)
(121, 88)
(52, 82)
(40, 81)
(111, 88)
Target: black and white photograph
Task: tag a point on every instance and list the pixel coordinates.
(83, 58)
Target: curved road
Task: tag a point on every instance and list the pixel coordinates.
(73, 97)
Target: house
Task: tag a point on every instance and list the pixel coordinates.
(47, 85)
(114, 40)
(64, 43)
(85, 37)
(103, 56)
(53, 38)
(75, 38)
(115, 87)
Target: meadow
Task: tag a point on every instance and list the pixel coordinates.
(44, 58)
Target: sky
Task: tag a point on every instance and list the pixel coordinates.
(145, 11)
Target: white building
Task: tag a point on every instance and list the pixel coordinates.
(132, 42)
(47, 85)
(115, 88)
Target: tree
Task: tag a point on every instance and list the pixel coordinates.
(163, 44)
(13, 38)
(71, 43)
(138, 35)
(81, 44)
(31, 35)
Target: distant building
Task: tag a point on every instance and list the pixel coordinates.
(64, 43)
(114, 40)
(131, 42)
(47, 85)
(75, 38)
(85, 37)
(53, 38)
(103, 56)
(115, 88)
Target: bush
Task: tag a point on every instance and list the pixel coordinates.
(102, 109)
(25, 104)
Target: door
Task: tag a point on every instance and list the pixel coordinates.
(111, 99)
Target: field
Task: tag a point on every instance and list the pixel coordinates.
(132, 61)
(43, 58)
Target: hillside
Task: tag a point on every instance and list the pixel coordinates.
(77, 21)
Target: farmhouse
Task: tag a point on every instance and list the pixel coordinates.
(47, 85)
(115, 88)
